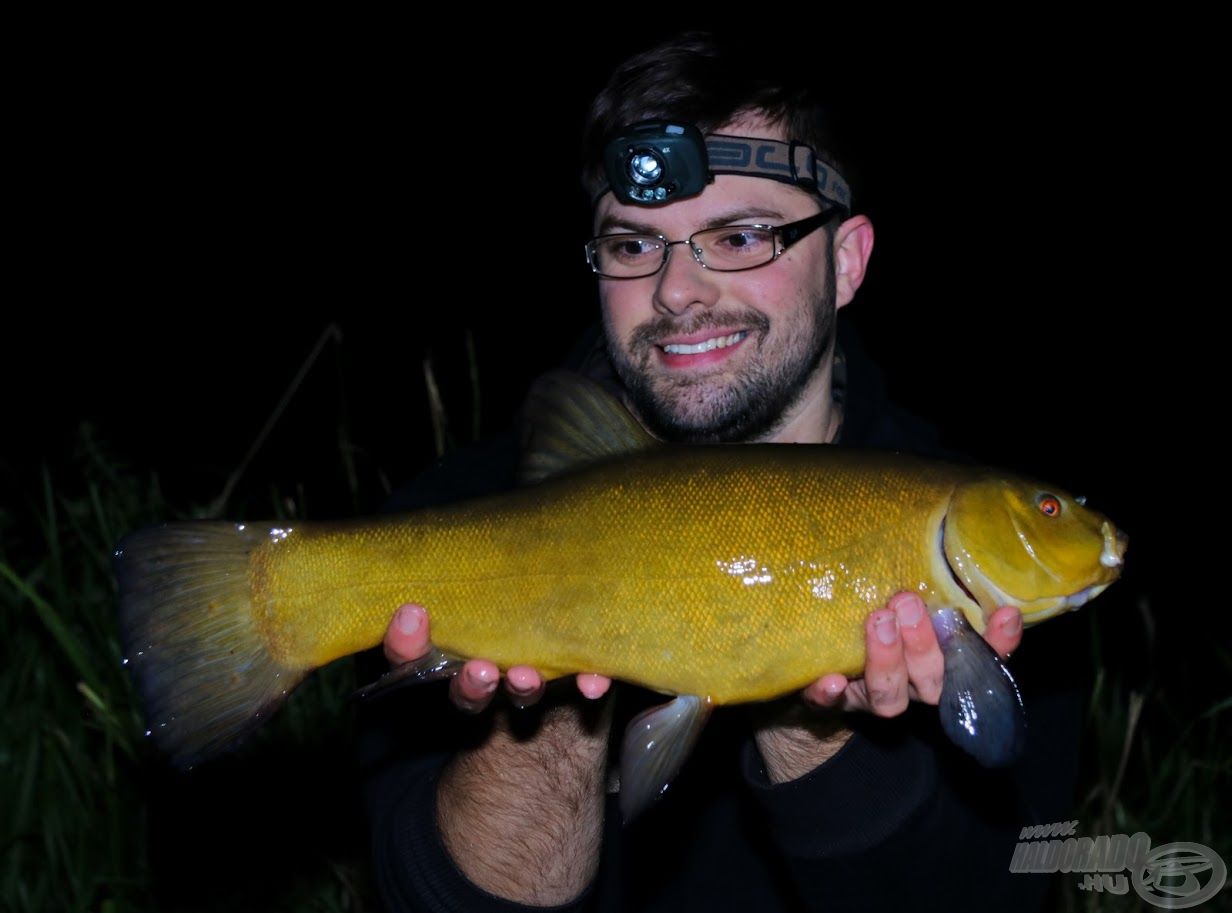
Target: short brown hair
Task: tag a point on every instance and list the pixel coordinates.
(706, 80)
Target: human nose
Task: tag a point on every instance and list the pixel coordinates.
(683, 282)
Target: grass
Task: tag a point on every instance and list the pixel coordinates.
(1156, 761)
(69, 754)
(95, 821)
(87, 826)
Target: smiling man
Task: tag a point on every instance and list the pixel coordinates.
(713, 347)
(719, 306)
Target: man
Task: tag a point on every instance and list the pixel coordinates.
(707, 349)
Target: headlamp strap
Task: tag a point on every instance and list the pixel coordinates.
(791, 163)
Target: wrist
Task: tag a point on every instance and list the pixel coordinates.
(792, 747)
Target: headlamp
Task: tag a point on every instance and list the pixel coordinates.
(657, 162)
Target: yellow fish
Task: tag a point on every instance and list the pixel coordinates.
(721, 574)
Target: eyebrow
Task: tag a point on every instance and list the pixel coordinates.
(731, 217)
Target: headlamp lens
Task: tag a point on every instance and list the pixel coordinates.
(645, 167)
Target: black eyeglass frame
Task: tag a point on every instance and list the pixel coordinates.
(784, 235)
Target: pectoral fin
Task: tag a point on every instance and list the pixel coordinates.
(432, 666)
(655, 747)
(981, 709)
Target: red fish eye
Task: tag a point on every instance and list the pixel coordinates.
(1049, 506)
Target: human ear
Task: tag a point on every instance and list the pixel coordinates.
(853, 245)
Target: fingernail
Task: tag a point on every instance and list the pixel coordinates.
(521, 679)
(885, 626)
(409, 619)
(1012, 626)
(481, 676)
(910, 612)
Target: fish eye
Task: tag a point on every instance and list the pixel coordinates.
(1050, 505)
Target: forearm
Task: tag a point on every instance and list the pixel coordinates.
(793, 748)
(523, 817)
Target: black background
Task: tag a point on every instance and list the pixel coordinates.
(201, 215)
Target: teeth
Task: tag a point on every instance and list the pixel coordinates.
(718, 342)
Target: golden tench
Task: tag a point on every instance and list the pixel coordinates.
(730, 573)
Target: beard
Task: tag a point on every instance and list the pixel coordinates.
(721, 407)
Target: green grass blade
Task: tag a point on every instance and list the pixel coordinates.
(74, 651)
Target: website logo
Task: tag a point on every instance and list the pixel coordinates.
(1175, 876)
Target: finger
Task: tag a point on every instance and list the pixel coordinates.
(885, 667)
(1004, 630)
(925, 665)
(473, 688)
(524, 684)
(406, 638)
(593, 686)
(827, 691)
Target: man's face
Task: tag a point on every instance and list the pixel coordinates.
(717, 356)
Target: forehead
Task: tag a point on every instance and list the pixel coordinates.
(728, 199)
(741, 197)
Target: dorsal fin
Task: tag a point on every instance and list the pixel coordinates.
(569, 421)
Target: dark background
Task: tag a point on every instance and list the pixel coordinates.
(202, 216)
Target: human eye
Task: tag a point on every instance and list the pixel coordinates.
(628, 249)
(631, 248)
(739, 241)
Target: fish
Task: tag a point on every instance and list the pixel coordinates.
(714, 574)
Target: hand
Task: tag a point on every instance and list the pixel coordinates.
(903, 663)
(903, 659)
(407, 638)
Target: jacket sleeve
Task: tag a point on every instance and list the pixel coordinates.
(901, 819)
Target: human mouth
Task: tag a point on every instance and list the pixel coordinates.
(706, 345)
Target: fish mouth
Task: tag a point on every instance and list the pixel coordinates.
(1115, 544)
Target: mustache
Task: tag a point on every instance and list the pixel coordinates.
(663, 327)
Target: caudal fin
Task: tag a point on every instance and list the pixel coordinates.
(191, 636)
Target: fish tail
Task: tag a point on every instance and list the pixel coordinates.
(191, 636)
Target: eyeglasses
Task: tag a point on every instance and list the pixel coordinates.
(729, 249)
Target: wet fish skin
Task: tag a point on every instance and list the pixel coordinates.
(738, 573)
